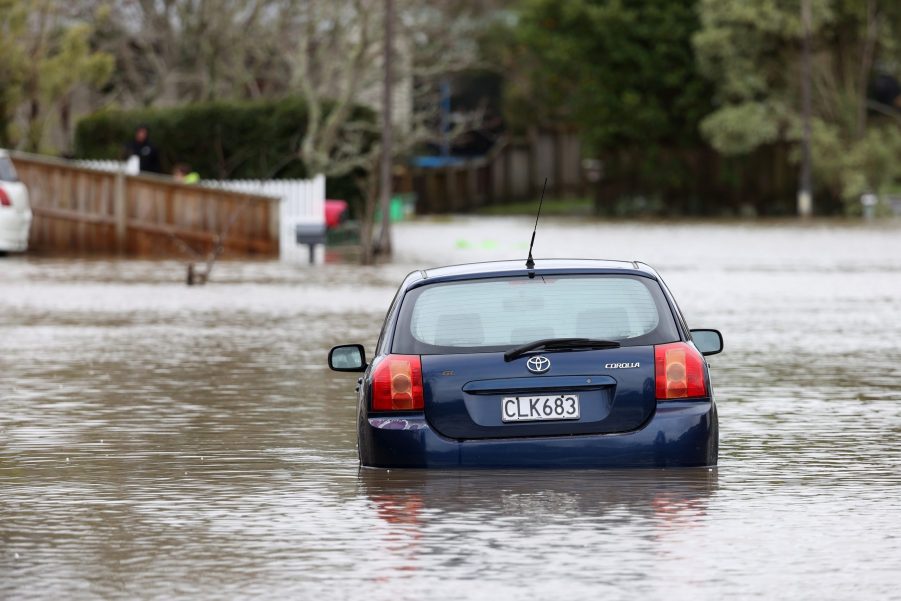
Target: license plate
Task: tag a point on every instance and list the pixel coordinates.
(540, 408)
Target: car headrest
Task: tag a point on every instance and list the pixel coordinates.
(603, 323)
(459, 329)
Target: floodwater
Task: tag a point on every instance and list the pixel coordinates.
(159, 441)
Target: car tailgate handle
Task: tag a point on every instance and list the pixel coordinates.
(539, 383)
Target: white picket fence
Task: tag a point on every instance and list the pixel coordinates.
(130, 167)
(302, 202)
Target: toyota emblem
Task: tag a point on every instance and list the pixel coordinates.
(538, 364)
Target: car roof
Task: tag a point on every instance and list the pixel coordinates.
(518, 267)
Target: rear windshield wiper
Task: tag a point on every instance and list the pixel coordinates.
(559, 344)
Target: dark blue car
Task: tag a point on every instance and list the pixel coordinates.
(571, 363)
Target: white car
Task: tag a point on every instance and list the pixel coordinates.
(15, 212)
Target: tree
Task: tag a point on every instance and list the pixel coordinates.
(623, 73)
(67, 66)
(179, 51)
(339, 65)
(752, 54)
(13, 63)
(45, 56)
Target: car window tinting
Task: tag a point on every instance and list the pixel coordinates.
(7, 172)
(487, 315)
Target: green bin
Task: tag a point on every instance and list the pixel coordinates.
(402, 206)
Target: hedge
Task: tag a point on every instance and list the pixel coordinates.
(219, 140)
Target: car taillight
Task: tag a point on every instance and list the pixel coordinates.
(4, 199)
(397, 384)
(679, 371)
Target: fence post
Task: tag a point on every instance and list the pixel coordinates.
(120, 214)
(450, 187)
(472, 185)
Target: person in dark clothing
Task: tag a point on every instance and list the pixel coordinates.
(144, 150)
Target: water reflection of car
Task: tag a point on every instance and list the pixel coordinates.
(674, 496)
(460, 518)
(15, 212)
(571, 363)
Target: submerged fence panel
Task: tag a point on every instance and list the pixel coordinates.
(83, 209)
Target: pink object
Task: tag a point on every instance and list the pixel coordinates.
(334, 210)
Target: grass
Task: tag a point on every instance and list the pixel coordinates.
(550, 207)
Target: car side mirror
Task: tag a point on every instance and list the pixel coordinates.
(709, 342)
(347, 357)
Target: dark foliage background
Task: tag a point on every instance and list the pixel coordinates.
(219, 140)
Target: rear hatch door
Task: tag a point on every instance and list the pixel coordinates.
(479, 395)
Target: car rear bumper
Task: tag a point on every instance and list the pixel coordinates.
(14, 226)
(680, 434)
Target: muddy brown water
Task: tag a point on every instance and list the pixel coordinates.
(159, 441)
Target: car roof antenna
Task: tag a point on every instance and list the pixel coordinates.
(530, 262)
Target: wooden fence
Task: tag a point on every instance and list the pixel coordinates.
(513, 170)
(302, 201)
(78, 209)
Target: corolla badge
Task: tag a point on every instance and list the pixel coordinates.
(621, 365)
(538, 364)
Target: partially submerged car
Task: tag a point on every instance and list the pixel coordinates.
(15, 212)
(564, 363)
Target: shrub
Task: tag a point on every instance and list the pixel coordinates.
(219, 140)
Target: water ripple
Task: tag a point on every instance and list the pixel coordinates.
(159, 441)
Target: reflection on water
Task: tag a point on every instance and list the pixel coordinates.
(673, 497)
(158, 441)
(540, 525)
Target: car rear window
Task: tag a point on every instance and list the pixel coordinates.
(7, 172)
(498, 314)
